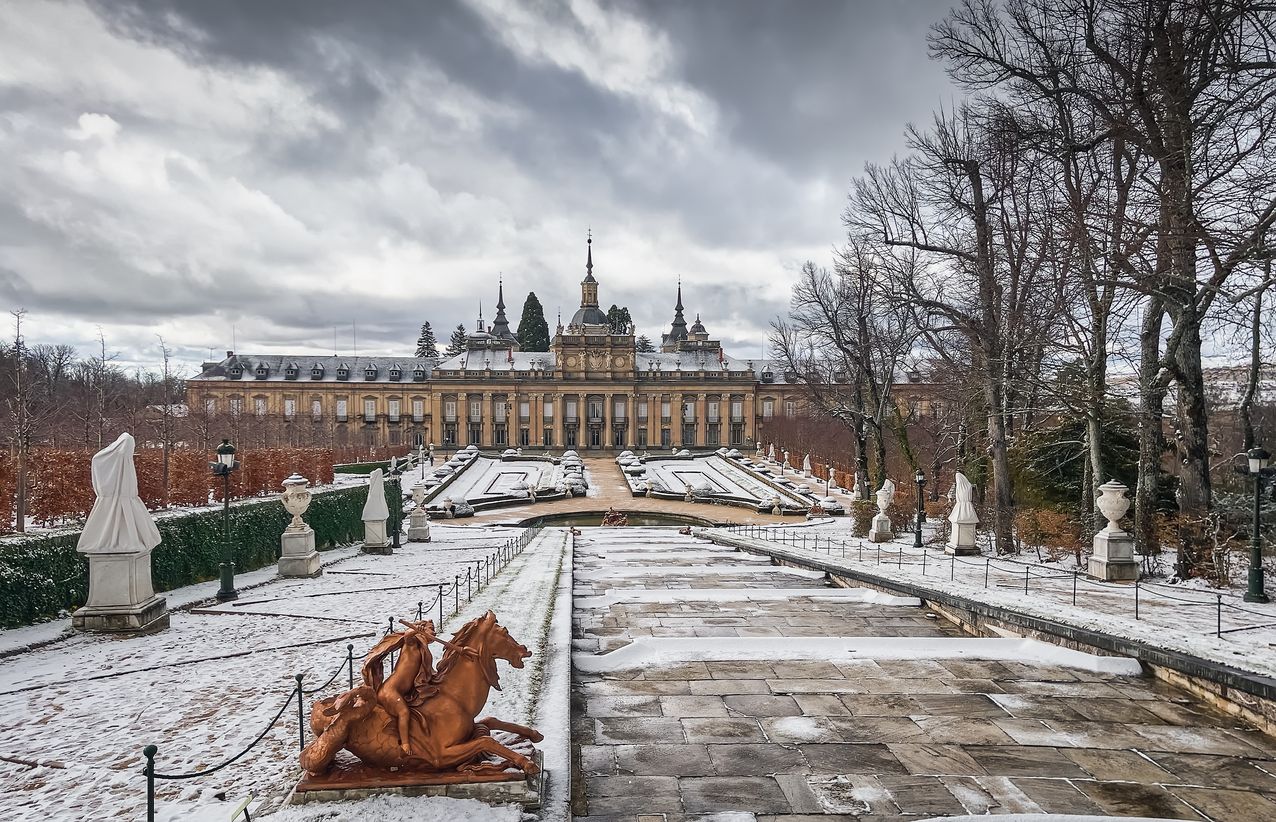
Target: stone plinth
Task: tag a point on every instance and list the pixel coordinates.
(881, 529)
(375, 540)
(961, 542)
(350, 779)
(1113, 557)
(298, 557)
(151, 615)
(418, 525)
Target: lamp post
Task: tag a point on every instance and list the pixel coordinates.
(222, 467)
(920, 479)
(396, 510)
(1258, 459)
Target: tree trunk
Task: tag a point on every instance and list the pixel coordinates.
(1151, 403)
(1255, 362)
(1003, 494)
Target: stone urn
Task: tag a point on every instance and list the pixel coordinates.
(1113, 556)
(880, 529)
(1113, 503)
(418, 493)
(418, 519)
(296, 499)
(297, 554)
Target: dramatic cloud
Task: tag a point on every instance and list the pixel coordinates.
(270, 172)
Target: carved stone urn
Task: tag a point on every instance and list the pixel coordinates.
(1113, 555)
(418, 519)
(1113, 503)
(296, 499)
(297, 554)
(418, 493)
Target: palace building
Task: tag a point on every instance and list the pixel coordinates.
(591, 390)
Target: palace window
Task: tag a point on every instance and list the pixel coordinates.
(369, 410)
(665, 411)
(342, 410)
(666, 438)
(210, 406)
(449, 410)
(711, 435)
(618, 437)
(549, 409)
(790, 408)
(476, 435)
(768, 409)
(713, 410)
(476, 410)
(501, 409)
(619, 413)
(498, 435)
(236, 406)
(524, 437)
(392, 410)
(547, 438)
(737, 410)
(418, 410)
(737, 434)
(689, 412)
(595, 410)
(688, 434)
(316, 409)
(396, 436)
(290, 408)
(259, 406)
(571, 411)
(569, 436)
(449, 433)
(524, 411)
(642, 437)
(642, 409)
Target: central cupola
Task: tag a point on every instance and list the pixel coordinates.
(589, 314)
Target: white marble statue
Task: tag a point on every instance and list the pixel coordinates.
(963, 518)
(118, 538)
(375, 514)
(806, 466)
(856, 495)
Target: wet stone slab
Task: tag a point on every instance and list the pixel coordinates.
(803, 740)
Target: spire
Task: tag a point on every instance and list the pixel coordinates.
(481, 329)
(589, 257)
(678, 330)
(501, 325)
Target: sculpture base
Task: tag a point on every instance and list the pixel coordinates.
(1113, 557)
(143, 618)
(374, 537)
(298, 557)
(961, 550)
(881, 529)
(348, 778)
(418, 526)
(962, 541)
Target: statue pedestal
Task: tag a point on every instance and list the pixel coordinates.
(298, 557)
(120, 595)
(1113, 557)
(962, 541)
(418, 525)
(374, 537)
(351, 779)
(881, 529)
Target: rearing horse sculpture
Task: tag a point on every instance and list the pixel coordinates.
(442, 733)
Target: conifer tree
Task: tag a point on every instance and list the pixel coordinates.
(533, 330)
(643, 345)
(456, 344)
(426, 345)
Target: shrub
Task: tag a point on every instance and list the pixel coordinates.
(1045, 528)
(862, 513)
(41, 575)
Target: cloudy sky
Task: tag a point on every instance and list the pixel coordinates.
(291, 167)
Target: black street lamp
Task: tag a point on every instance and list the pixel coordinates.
(920, 479)
(1258, 468)
(222, 467)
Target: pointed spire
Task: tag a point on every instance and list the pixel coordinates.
(589, 256)
(481, 329)
(678, 305)
(678, 330)
(501, 325)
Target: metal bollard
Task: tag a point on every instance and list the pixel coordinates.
(987, 565)
(1218, 627)
(440, 606)
(1026, 568)
(301, 722)
(149, 769)
(469, 593)
(1136, 599)
(1075, 574)
(350, 663)
(456, 594)
(923, 562)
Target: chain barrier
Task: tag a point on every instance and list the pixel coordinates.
(495, 562)
(1030, 572)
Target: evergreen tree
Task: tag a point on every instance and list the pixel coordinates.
(643, 345)
(618, 320)
(426, 345)
(457, 343)
(533, 331)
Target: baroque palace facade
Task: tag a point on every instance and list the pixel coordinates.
(591, 390)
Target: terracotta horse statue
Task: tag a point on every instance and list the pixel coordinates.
(442, 733)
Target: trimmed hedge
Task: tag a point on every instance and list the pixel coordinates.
(42, 575)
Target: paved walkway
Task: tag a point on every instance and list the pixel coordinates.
(880, 739)
(613, 492)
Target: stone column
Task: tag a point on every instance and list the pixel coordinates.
(298, 557)
(435, 434)
(1113, 557)
(118, 538)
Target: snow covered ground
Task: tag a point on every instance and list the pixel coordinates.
(712, 476)
(1173, 617)
(75, 713)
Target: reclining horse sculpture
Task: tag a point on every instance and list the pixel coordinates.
(423, 720)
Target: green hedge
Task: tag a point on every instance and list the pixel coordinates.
(42, 575)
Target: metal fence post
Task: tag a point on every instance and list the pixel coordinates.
(469, 593)
(923, 562)
(987, 567)
(149, 769)
(1136, 599)
(1026, 568)
(1219, 624)
(952, 568)
(350, 663)
(420, 609)
(1075, 574)
(301, 722)
(456, 593)
(440, 606)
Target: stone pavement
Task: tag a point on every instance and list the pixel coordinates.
(801, 740)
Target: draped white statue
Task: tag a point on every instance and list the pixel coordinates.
(375, 514)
